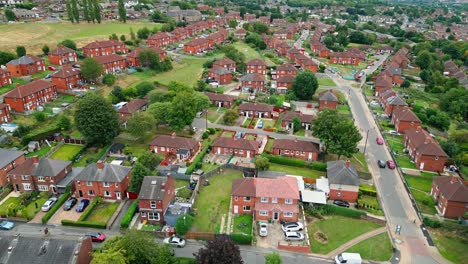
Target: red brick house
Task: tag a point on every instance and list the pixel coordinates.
(266, 198)
(256, 110)
(62, 55)
(286, 70)
(404, 119)
(352, 56)
(394, 103)
(179, 34)
(103, 48)
(303, 150)
(232, 15)
(253, 81)
(309, 64)
(183, 148)
(225, 63)
(322, 51)
(424, 150)
(132, 57)
(240, 33)
(29, 96)
(104, 180)
(240, 147)
(196, 46)
(292, 53)
(112, 63)
(5, 77)
(282, 34)
(327, 99)
(284, 83)
(221, 100)
(344, 181)
(66, 79)
(159, 39)
(155, 195)
(382, 84)
(26, 65)
(9, 159)
(264, 19)
(250, 17)
(130, 108)
(281, 47)
(288, 120)
(221, 75)
(450, 194)
(385, 95)
(256, 66)
(39, 174)
(5, 113)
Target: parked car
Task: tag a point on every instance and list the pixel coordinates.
(82, 205)
(6, 225)
(76, 66)
(260, 124)
(394, 133)
(175, 241)
(341, 203)
(379, 140)
(391, 164)
(96, 236)
(262, 229)
(47, 205)
(70, 203)
(381, 163)
(293, 236)
(51, 68)
(292, 226)
(48, 76)
(349, 258)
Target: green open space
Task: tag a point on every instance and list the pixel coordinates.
(450, 245)
(304, 172)
(247, 122)
(251, 53)
(213, 116)
(90, 155)
(13, 203)
(213, 202)
(335, 233)
(66, 152)
(102, 212)
(423, 182)
(31, 207)
(377, 248)
(243, 224)
(344, 110)
(326, 82)
(424, 201)
(14, 82)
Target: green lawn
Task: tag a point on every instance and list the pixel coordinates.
(31, 207)
(300, 133)
(269, 145)
(76, 134)
(44, 149)
(102, 212)
(377, 248)
(209, 166)
(305, 172)
(424, 201)
(247, 122)
(419, 182)
(450, 246)
(181, 183)
(360, 162)
(344, 110)
(150, 227)
(66, 152)
(13, 202)
(250, 53)
(250, 137)
(396, 144)
(370, 201)
(188, 72)
(10, 202)
(326, 82)
(239, 222)
(228, 134)
(91, 155)
(213, 116)
(336, 234)
(269, 123)
(213, 202)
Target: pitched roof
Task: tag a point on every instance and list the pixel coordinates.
(103, 44)
(286, 79)
(174, 142)
(296, 145)
(61, 50)
(220, 71)
(244, 187)
(3, 71)
(159, 35)
(339, 173)
(255, 107)
(406, 115)
(293, 208)
(289, 117)
(7, 156)
(66, 72)
(424, 143)
(133, 106)
(256, 62)
(136, 52)
(44, 167)
(108, 173)
(452, 188)
(109, 58)
(29, 88)
(224, 61)
(286, 67)
(196, 42)
(235, 143)
(220, 97)
(26, 59)
(152, 188)
(383, 80)
(328, 95)
(252, 77)
(280, 187)
(396, 100)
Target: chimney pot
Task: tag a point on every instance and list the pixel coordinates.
(347, 163)
(100, 165)
(173, 135)
(35, 159)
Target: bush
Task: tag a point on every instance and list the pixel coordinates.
(285, 161)
(39, 116)
(83, 224)
(183, 224)
(369, 192)
(90, 208)
(320, 166)
(205, 135)
(108, 79)
(56, 206)
(431, 222)
(127, 218)
(184, 193)
(129, 42)
(345, 211)
(211, 131)
(242, 239)
(197, 160)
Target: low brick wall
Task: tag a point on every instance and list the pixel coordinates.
(294, 248)
(374, 220)
(199, 235)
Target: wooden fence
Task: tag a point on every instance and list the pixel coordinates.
(200, 235)
(75, 141)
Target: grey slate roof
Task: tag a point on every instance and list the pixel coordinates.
(396, 100)
(151, 188)
(45, 167)
(109, 173)
(23, 60)
(7, 156)
(339, 173)
(328, 96)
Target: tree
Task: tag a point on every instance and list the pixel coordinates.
(138, 174)
(160, 112)
(149, 58)
(260, 28)
(5, 57)
(86, 11)
(155, 96)
(262, 163)
(45, 49)
(322, 68)
(99, 125)
(132, 34)
(455, 102)
(69, 44)
(183, 224)
(140, 123)
(143, 33)
(122, 12)
(117, 95)
(296, 124)
(305, 84)
(273, 258)
(220, 250)
(182, 111)
(75, 11)
(450, 147)
(342, 38)
(123, 38)
(91, 69)
(64, 123)
(108, 79)
(339, 136)
(230, 117)
(97, 11)
(405, 84)
(144, 88)
(233, 23)
(424, 60)
(10, 15)
(20, 51)
(149, 160)
(69, 11)
(113, 37)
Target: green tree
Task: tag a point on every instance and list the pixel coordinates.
(140, 123)
(405, 84)
(182, 111)
(424, 60)
(39, 116)
(155, 96)
(149, 58)
(260, 28)
(138, 174)
(108, 79)
(220, 250)
(99, 125)
(143, 33)
(273, 258)
(5, 57)
(144, 88)
(69, 44)
(455, 102)
(123, 38)
(122, 12)
(20, 51)
(91, 11)
(45, 49)
(342, 38)
(97, 11)
(183, 224)
(75, 11)
(10, 15)
(91, 69)
(86, 15)
(296, 124)
(230, 117)
(69, 11)
(322, 68)
(305, 84)
(149, 160)
(132, 34)
(160, 112)
(233, 24)
(64, 123)
(262, 163)
(117, 95)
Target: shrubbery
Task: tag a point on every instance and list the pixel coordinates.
(431, 222)
(83, 224)
(285, 161)
(242, 239)
(127, 218)
(322, 210)
(369, 192)
(320, 166)
(197, 160)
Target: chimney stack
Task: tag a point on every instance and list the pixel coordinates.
(173, 135)
(347, 163)
(35, 159)
(454, 179)
(100, 165)
(427, 140)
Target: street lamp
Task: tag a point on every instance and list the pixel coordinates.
(365, 144)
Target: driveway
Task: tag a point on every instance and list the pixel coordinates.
(275, 235)
(61, 214)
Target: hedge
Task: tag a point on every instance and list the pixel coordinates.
(197, 160)
(56, 206)
(127, 218)
(345, 211)
(83, 224)
(242, 239)
(42, 134)
(431, 222)
(320, 166)
(90, 208)
(366, 191)
(284, 161)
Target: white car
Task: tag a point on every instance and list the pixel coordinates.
(292, 226)
(293, 236)
(393, 132)
(262, 229)
(175, 241)
(47, 205)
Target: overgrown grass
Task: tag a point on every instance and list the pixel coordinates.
(102, 213)
(451, 246)
(396, 144)
(326, 82)
(305, 172)
(377, 248)
(66, 152)
(269, 145)
(44, 149)
(243, 224)
(90, 155)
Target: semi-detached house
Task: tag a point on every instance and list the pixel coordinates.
(29, 96)
(154, 198)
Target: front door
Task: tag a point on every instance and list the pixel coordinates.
(117, 194)
(275, 216)
(80, 193)
(236, 209)
(17, 187)
(421, 166)
(310, 156)
(248, 154)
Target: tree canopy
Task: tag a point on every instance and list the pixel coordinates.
(91, 70)
(220, 250)
(305, 84)
(69, 44)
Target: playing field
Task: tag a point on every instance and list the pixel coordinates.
(34, 35)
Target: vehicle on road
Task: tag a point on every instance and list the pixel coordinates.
(175, 241)
(262, 229)
(292, 226)
(391, 164)
(82, 205)
(348, 258)
(341, 203)
(293, 236)
(47, 205)
(96, 236)
(70, 203)
(381, 163)
(379, 140)
(6, 225)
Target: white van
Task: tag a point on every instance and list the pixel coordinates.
(348, 258)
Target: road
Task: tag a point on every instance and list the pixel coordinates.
(301, 39)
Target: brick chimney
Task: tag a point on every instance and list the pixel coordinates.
(173, 135)
(347, 163)
(100, 165)
(454, 179)
(427, 140)
(35, 159)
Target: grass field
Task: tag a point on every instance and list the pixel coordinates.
(213, 202)
(305, 172)
(377, 248)
(269, 145)
(34, 35)
(102, 213)
(10, 202)
(326, 82)
(337, 235)
(420, 187)
(450, 246)
(243, 224)
(66, 152)
(396, 144)
(250, 53)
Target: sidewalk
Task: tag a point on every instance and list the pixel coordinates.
(356, 240)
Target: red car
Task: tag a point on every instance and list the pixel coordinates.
(379, 140)
(51, 68)
(96, 236)
(391, 164)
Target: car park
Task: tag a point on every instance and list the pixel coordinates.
(293, 236)
(96, 236)
(70, 203)
(82, 205)
(292, 226)
(391, 164)
(6, 225)
(341, 203)
(381, 163)
(262, 229)
(48, 204)
(379, 140)
(175, 241)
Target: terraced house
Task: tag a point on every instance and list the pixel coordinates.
(112, 63)
(239, 147)
(9, 159)
(29, 96)
(103, 48)
(5, 113)
(256, 66)
(62, 55)
(154, 198)
(303, 150)
(26, 65)
(182, 148)
(5, 77)
(424, 150)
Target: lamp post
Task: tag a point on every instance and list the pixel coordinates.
(365, 144)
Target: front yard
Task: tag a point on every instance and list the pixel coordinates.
(305, 172)
(66, 152)
(376, 248)
(102, 212)
(243, 224)
(420, 187)
(326, 82)
(12, 206)
(396, 145)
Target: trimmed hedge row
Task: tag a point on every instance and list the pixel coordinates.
(127, 218)
(366, 191)
(84, 224)
(242, 239)
(197, 160)
(320, 166)
(345, 211)
(90, 208)
(56, 206)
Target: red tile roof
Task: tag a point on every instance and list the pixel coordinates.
(244, 187)
(61, 50)
(289, 117)
(452, 188)
(256, 62)
(66, 72)
(424, 143)
(136, 52)
(29, 89)
(220, 97)
(406, 115)
(235, 143)
(286, 67)
(103, 44)
(133, 106)
(280, 187)
(255, 107)
(296, 145)
(108, 58)
(224, 61)
(174, 142)
(286, 79)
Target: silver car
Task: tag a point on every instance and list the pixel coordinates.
(262, 229)
(293, 236)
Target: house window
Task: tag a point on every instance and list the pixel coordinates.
(437, 158)
(107, 194)
(153, 216)
(274, 200)
(143, 214)
(106, 184)
(297, 152)
(288, 214)
(91, 192)
(287, 151)
(263, 213)
(247, 199)
(163, 149)
(78, 183)
(153, 204)
(41, 178)
(88, 183)
(24, 177)
(235, 198)
(338, 194)
(246, 207)
(264, 199)
(27, 186)
(116, 184)
(43, 188)
(288, 201)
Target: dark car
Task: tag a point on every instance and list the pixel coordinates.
(341, 203)
(96, 236)
(381, 163)
(82, 205)
(70, 203)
